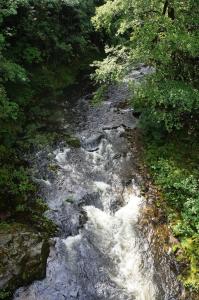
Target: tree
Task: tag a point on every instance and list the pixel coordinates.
(43, 47)
(164, 35)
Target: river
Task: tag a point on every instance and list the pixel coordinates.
(94, 198)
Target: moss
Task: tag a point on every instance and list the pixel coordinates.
(24, 254)
(53, 167)
(36, 268)
(4, 226)
(99, 95)
(5, 294)
(7, 228)
(72, 141)
(44, 225)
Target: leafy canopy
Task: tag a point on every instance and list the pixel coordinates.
(162, 34)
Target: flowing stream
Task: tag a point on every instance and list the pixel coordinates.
(93, 197)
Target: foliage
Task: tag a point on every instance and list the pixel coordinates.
(164, 35)
(5, 294)
(44, 45)
(112, 67)
(167, 104)
(174, 165)
(99, 95)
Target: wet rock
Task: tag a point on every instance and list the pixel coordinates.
(91, 199)
(124, 119)
(92, 143)
(67, 218)
(70, 216)
(23, 256)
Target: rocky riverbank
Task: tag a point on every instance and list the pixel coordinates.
(24, 253)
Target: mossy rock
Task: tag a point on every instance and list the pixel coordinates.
(72, 141)
(23, 254)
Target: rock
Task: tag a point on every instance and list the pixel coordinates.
(23, 256)
(92, 143)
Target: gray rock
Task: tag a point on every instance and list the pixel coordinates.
(23, 256)
(92, 143)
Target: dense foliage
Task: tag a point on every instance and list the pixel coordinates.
(174, 165)
(43, 47)
(163, 35)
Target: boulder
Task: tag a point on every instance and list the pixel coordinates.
(91, 144)
(23, 255)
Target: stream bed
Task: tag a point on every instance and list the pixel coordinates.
(94, 198)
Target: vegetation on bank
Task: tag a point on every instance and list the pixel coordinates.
(174, 163)
(163, 35)
(44, 46)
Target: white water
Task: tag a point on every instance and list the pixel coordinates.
(120, 241)
(94, 199)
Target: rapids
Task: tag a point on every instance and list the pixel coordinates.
(94, 199)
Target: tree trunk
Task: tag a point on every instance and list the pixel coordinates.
(165, 7)
(168, 7)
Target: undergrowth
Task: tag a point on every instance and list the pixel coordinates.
(173, 162)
